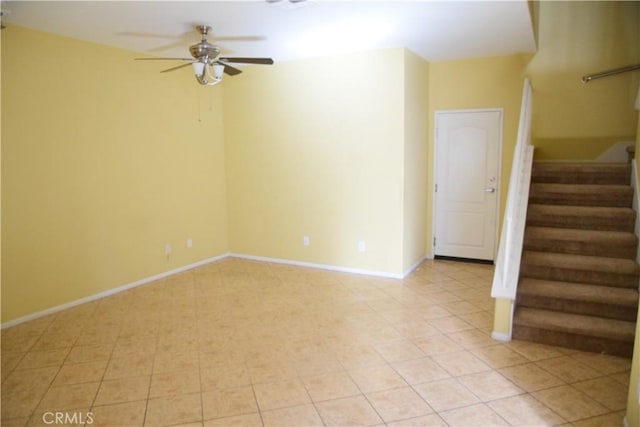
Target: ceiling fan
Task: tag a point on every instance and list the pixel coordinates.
(207, 63)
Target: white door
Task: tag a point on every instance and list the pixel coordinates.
(467, 153)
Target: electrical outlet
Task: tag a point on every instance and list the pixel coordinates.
(305, 240)
(362, 246)
(189, 243)
(167, 249)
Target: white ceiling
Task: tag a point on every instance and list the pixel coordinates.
(435, 30)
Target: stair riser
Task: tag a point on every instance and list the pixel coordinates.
(580, 173)
(609, 249)
(578, 342)
(566, 176)
(610, 199)
(584, 179)
(623, 223)
(579, 276)
(609, 311)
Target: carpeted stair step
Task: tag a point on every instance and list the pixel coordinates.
(581, 195)
(615, 244)
(581, 173)
(595, 270)
(587, 333)
(579, 298)
(584, 217)
(578, 284)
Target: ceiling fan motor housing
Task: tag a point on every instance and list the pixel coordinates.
(204, 50)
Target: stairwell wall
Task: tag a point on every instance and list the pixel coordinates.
(573, 120)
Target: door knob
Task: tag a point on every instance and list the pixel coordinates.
(490, 190)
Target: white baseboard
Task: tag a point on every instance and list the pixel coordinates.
(617, 153)
(415, 265)
(109, 292)
(500, 336)
(320, 266)
(145, 280)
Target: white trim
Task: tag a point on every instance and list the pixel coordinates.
(414, 266)
(617, 153)
(109, 292)
(470, 110)
(320, 266)
(505, 278)
(500, 336)
(434, 162)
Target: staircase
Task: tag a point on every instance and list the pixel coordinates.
(578, 284)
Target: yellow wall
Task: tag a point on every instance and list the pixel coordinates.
(572, 120)
(104, 161)
(416, 166)
(118, 169)
(502, 318)
(315, 148)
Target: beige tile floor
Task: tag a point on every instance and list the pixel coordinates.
(245, 343)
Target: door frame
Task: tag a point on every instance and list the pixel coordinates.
(434, 168)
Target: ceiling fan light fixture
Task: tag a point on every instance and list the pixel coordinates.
(207, 75)
(198, 68)
(218, 71)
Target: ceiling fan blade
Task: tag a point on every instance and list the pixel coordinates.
(228, 69)
(265, 61)
(239, 38)
(176, 68)
(179, 40)
(176, 44)
(163, 59)
(149, 35)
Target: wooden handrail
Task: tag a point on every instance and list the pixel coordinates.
(588, 78)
